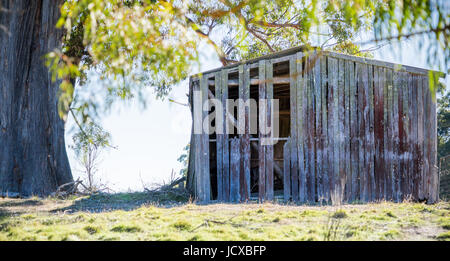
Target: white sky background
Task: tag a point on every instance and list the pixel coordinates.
(150, 141)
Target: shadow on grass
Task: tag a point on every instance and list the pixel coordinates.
(3, 215)
(122, 201)
(12, 208)
(21, 203)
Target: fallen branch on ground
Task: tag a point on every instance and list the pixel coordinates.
(69, 188)
(170, 190)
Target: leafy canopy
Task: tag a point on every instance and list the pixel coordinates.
(137, 43)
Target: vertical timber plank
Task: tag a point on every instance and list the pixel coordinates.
(354, 138)
(225, 140)
(403, 130)
(205, 196)
(244, 111)
(246, 139)
(262, 122)
(395, 137)
(376, 127)
(379, 131)
(340, 133)
(293, 108)
(287, 171)
(383, 121)
(318, 135)
(332, 125)
(413, 137)
(301, 130)
(365, 136)
(413, 143)
(408, 111)
(311, 130)
(269, 121)
(420, 137)
(219, 137)
(362, 116)
(235, 159)
(307, 126)
(426, 140)
(389, 135)
(310, 121)
(324, 136)
(197, 115)
(370, 155)
(348, 181)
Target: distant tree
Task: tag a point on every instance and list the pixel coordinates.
(184, 159)
(443, 124)
(89, 143)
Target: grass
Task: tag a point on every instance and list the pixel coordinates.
(133, 216)
(339, 214)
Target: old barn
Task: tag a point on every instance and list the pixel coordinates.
(350, 129)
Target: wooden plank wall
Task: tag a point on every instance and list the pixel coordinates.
(226, 144)
(235, 157)
(262, 121)
(219, 140)
(244, 95)
(201, 147)
(269, 151)
(358, 132)
(362, 131)
(294, 140)
(265, 152)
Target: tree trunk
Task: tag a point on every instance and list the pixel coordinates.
(33, 159)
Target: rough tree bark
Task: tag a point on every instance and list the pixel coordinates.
(33, 159)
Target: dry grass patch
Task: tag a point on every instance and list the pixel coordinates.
(134, 217)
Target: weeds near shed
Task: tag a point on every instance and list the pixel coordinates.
(331, 230)
(444, 236)
(174, 190)
(181, 225)
(334, 225)
(91, 230)
(337, 194)
(339, 214)
(135, 216)
(127, 229)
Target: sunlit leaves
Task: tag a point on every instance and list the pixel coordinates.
(123, 40)
(91, 136)
(134, 44)
(427, 19)
(443, 123)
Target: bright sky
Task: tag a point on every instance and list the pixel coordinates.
(150, 141)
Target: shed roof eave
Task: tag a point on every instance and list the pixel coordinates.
(294, 50)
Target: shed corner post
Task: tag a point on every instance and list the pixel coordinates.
(201, 142)
(190, 183)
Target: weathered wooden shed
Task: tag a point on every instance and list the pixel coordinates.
(350, 129)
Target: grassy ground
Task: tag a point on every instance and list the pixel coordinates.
(132, 216)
